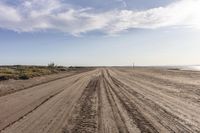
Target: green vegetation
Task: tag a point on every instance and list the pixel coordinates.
(26, 72)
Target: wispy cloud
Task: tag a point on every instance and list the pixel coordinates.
(39, 15)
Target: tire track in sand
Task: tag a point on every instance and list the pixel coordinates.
(38, 103)
(43, 102)
(85, 116)
(138, 119)
(119, 120)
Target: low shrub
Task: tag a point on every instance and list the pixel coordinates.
(26, 72)
(3, 77)
(23, 76)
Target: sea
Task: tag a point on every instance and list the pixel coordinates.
(186, 68)
(192, 68)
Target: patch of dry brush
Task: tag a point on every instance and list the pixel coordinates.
(26, 72)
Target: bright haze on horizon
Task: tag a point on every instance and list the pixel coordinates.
(100, 32)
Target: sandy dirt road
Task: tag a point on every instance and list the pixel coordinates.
(107, 100)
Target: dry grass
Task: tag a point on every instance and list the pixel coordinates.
(26, 72)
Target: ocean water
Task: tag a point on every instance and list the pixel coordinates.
(194, 68)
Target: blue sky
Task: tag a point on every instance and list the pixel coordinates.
(100, 32)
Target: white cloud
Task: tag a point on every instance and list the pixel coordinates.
(37, 15)
(8, 15)
(182, 13)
